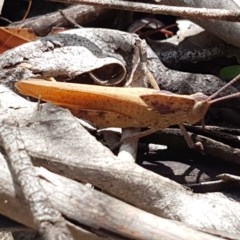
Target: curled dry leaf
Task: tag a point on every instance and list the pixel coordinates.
(108, 60)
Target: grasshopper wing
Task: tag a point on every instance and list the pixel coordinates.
(167, 103)
(104, 119)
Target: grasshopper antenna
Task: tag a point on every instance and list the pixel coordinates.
(212, 99)
(234, 95)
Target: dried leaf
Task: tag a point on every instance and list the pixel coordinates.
(12, 37)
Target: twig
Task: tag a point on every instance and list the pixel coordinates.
(173, 138)
(28, 10)
(211, 186)
(229, 177)
(186, 12)
(69, 19)
(42, 25)
(48, 220)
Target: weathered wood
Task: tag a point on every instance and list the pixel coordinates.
(43, 25)
(90, 208)
(188, 12)
(54, 139)
(48, 220)
(173, 138)
(204, 10)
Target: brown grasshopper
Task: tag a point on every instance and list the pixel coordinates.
(123, 107)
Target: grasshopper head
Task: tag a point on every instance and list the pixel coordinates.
(202, 102)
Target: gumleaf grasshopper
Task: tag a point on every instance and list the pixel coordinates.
(123, 107)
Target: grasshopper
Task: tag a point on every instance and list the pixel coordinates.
(123, 107)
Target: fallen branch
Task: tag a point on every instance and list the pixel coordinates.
(48, 220)
(173, 138)
(186, 12)
(92, 209)
(43, 25)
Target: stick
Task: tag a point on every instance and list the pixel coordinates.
(186, 12)
(129, 145)
(48, 220)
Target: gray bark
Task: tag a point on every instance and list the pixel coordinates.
(54, 139)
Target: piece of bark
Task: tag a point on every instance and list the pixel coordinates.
(48, 220)
(54, 139)
(218, 14)
(91, 208)
(43, 25)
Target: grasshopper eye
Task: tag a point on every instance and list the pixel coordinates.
(198, 111)
(197, 107)
(200, 108)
